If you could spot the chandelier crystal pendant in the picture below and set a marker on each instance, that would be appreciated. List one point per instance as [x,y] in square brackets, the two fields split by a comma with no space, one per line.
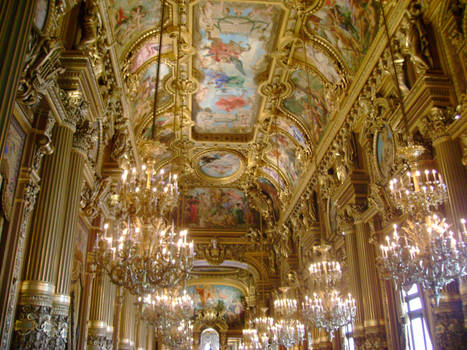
[427,253]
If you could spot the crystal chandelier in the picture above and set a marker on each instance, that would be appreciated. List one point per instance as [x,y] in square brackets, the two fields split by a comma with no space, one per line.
[285,307]
[417,192]
[145,258]
[287,330]
[166,309]
[325,273]
[427,253]
[330,311]
[179,336]
[147,194]
[326,308]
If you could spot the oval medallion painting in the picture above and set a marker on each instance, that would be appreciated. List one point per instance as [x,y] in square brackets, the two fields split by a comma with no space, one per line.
[385,150]
[219,164]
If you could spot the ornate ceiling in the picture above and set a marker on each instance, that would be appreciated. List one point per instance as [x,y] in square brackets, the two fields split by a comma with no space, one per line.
[256,104]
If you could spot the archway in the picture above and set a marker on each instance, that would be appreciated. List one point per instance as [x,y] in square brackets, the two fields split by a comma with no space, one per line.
[209,339]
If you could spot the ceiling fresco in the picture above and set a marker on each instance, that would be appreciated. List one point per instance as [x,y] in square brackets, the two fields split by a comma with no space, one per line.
[234,53]
[348,25]
[132,18]
[219,208]
[284,152]
[233,41]
[308,102]
[219,164]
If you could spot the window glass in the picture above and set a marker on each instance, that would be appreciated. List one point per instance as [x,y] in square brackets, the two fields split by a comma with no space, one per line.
[416,327]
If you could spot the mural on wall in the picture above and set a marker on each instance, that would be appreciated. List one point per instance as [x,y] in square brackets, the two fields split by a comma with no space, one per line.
[149,50]
[143,93]
[219,164]
[385,150]
[268,188]
[11,164]
[293,130]
[40,13]
[348,25]
[233,41]
[229,301]
[284,151]
[132,17]
[309,103]
[217,208]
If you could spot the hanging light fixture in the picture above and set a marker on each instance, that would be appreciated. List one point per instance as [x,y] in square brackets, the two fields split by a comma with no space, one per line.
[166,309]
[427,253]
[287,329]
[145,258]
[326,308]
[423,250]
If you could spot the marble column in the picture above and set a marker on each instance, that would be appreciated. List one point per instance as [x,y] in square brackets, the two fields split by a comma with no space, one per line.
[355,286]
[97,327]
[61,303]
[38,287]
[373,321]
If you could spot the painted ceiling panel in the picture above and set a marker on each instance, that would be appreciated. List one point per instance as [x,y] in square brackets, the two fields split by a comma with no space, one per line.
[350,26]
[308,103]
[284,151]
[217,208]
[142,93]
[219,164]
[233,40]
[131,18]
[149,49]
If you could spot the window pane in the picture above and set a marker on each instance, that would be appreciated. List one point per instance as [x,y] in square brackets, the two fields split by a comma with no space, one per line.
[412,290]
[415,304]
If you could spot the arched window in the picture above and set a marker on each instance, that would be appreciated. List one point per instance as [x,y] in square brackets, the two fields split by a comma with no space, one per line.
[209,339]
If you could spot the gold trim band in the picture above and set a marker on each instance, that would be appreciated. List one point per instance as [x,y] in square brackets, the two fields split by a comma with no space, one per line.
[37,287]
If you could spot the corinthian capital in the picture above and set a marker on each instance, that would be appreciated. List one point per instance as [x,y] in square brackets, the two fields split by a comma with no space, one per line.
[76,108]
[84,136]
[436,123]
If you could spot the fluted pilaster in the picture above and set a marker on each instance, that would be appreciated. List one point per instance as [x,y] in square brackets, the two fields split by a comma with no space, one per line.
[375,333]
[355,286]
[97,327]
[126,323]
[37,290]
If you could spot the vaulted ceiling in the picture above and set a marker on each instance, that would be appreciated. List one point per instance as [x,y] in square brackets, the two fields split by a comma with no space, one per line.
[262,79]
